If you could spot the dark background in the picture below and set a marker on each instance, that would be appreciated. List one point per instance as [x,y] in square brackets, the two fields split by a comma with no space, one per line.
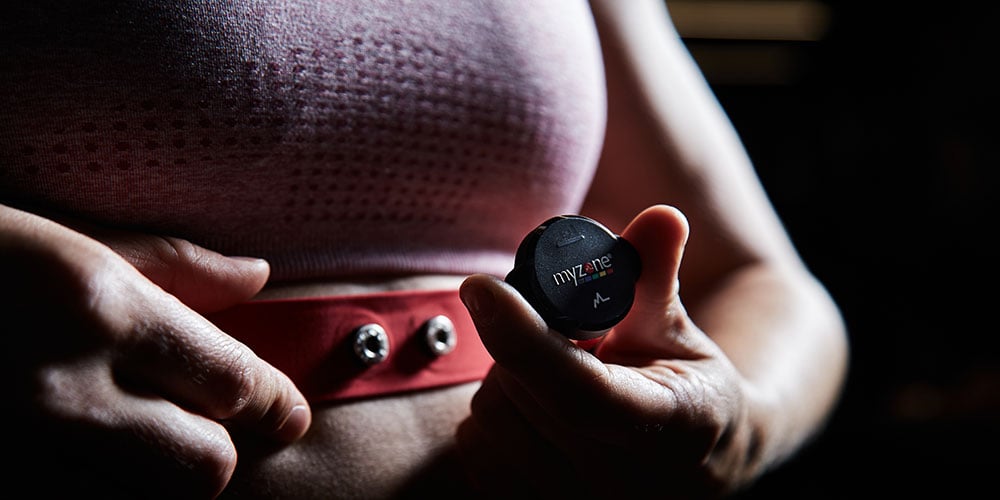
[876,144]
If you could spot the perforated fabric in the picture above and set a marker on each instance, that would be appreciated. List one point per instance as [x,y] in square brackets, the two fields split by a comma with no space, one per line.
[333,138]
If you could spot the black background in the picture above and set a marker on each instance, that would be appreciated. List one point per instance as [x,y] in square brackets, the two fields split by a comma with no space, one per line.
[879,155]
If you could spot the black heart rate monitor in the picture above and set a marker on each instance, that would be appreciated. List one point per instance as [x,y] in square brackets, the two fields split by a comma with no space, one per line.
[577,274]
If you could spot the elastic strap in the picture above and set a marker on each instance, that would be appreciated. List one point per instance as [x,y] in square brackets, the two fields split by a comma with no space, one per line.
[312,341]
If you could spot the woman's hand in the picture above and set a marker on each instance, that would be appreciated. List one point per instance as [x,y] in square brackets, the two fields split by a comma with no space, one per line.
[656,407]
[108,357]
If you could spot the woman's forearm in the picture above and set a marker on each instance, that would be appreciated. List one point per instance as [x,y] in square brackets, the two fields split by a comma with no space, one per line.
[786,337]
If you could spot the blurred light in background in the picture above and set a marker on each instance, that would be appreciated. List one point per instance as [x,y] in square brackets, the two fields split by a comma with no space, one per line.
[790,20]
[749,42]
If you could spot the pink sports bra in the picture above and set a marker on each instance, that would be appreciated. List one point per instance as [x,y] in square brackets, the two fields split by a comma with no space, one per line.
[333,138]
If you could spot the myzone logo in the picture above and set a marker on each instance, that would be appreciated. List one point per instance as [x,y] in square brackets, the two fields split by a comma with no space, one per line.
[585,272]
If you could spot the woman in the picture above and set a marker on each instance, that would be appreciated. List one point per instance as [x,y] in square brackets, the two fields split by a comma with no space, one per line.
[379,162]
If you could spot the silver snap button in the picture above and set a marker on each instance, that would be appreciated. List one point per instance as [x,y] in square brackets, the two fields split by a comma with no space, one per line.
[439,332]
[371,343]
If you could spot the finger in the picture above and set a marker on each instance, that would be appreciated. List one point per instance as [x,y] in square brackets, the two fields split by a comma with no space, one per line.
[502,451]
[658,326]
[193,457]
[187,359]
[154,448]
[518,338]
[545,455]
[512,424]
[572,386]
[658,234]
[204,280]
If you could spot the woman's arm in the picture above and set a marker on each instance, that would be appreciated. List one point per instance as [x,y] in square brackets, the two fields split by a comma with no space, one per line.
[741,280]
[732,355]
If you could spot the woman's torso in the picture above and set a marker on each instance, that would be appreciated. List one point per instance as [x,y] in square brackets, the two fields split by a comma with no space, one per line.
[358,146]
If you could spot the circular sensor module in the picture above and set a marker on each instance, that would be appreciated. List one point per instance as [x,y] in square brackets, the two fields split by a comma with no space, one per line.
[577,274]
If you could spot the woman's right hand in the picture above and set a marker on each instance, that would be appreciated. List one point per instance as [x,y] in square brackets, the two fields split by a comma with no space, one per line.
[116,383]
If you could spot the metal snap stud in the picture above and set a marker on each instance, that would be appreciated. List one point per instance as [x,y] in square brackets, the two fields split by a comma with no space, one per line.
[371,343]
[439,333]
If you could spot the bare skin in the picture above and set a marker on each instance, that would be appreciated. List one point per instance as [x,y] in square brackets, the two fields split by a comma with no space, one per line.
[730,361]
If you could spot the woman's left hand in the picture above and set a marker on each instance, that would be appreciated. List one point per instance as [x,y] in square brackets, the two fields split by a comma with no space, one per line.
[655,407]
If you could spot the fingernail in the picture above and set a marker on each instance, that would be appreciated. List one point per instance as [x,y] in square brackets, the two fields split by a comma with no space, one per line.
[480,301]
[250,260]
[295,425]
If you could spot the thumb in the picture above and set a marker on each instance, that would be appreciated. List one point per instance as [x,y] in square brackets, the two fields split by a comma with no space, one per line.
[658,234]
[202,279]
